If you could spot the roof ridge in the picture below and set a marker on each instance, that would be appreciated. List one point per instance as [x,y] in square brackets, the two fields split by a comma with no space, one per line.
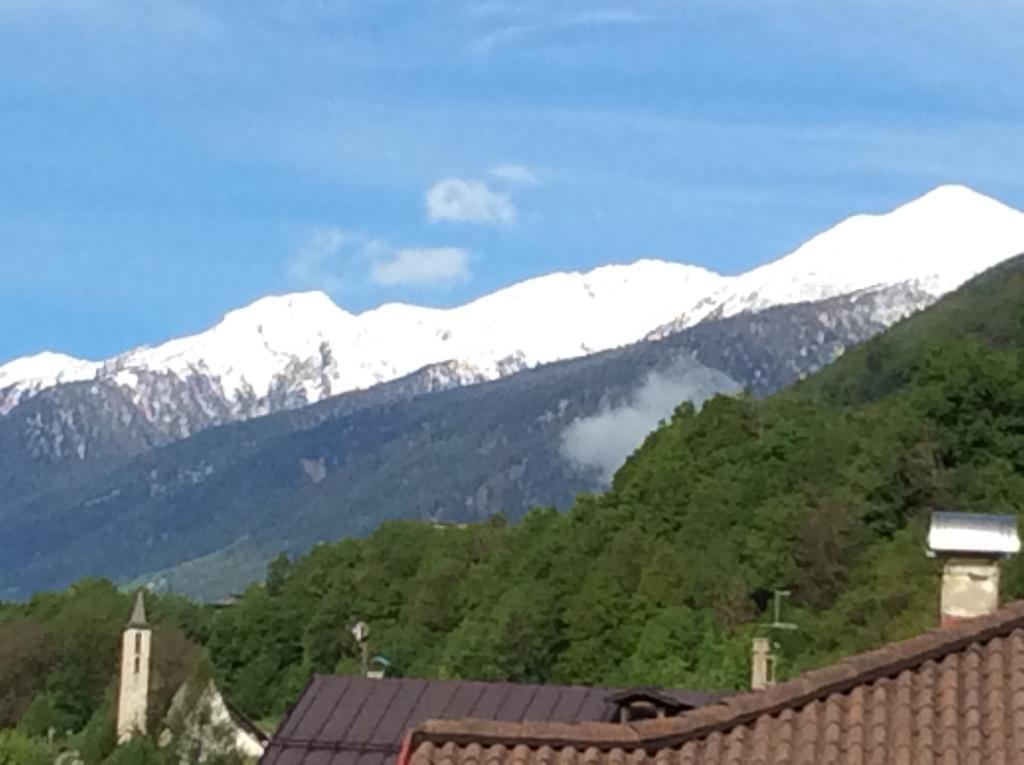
[846,674]
[244,721]
[329,677]
[317,744]
[737,710]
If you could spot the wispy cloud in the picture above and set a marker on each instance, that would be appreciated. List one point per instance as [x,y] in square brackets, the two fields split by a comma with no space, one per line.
[491,8]
[433,266]
[609,17]
[518,175]
[500,37]
[521,23]
[334,260]
[317,261]
[465,200]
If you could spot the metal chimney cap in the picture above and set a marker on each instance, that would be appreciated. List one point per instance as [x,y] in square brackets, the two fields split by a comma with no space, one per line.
[974,534]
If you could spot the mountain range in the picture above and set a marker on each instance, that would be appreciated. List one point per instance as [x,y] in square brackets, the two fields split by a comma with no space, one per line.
[115,467]
[287,351]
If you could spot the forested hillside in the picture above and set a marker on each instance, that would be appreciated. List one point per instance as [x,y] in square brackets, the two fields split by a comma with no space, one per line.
[823,490]
[205,514]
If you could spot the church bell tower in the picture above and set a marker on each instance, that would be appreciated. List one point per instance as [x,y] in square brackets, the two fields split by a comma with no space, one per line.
[134,691]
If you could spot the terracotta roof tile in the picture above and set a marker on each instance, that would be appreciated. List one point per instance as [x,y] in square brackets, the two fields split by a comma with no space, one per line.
[953,695]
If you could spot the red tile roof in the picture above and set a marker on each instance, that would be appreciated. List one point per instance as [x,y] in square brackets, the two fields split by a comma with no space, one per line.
[952,696]
[360,721]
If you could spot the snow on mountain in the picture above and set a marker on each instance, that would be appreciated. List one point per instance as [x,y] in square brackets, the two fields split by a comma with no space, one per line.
[311,348]
[939,241]
[31,374]
[285,351]
[248,350]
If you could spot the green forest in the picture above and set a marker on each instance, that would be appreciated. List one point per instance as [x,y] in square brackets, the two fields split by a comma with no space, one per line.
[823,490]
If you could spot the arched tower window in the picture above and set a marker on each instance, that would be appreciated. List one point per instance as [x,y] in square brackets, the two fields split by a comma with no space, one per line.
[138,643]
[137,665]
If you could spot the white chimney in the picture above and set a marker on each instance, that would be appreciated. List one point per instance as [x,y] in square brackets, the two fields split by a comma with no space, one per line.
[971,547]
[761,658]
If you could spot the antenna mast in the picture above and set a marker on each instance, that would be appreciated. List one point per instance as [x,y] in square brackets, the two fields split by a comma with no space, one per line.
[765,653]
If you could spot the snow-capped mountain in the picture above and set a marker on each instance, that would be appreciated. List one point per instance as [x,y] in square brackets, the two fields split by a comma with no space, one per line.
[286,351]
[300,348]
[928,247]
[26,376]
[82,489]
[937,241]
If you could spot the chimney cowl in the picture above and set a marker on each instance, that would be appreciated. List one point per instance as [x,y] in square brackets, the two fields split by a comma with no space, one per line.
[973,535]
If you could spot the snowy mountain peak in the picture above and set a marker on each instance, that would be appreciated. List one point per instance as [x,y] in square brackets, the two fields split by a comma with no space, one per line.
[617,277]
[952,197]
[945,207]
[47,367]
[297,308]
[30,374]
[287,350]
[939,241]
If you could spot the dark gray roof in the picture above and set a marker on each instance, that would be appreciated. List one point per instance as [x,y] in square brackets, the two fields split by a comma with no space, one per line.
[138,618]
[359,721]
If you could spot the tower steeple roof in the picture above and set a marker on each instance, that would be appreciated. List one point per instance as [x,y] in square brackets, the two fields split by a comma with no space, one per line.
[138,612]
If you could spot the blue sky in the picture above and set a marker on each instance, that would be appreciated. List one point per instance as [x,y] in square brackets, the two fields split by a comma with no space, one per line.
[163,161]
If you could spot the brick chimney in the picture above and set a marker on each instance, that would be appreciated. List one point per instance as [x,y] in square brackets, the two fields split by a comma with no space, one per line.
[971,547]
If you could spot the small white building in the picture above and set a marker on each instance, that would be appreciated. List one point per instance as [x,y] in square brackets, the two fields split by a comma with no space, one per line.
[200,722]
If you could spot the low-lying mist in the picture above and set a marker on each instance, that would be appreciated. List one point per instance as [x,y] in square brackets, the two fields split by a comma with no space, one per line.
[604,440]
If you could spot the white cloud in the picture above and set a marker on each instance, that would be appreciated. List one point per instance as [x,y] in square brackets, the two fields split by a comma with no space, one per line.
[468,201]
[421,266]
[604,440]
[515,174]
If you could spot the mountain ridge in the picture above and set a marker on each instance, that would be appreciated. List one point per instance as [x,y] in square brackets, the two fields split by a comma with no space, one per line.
[239,492]
[291,350]
[156,443]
